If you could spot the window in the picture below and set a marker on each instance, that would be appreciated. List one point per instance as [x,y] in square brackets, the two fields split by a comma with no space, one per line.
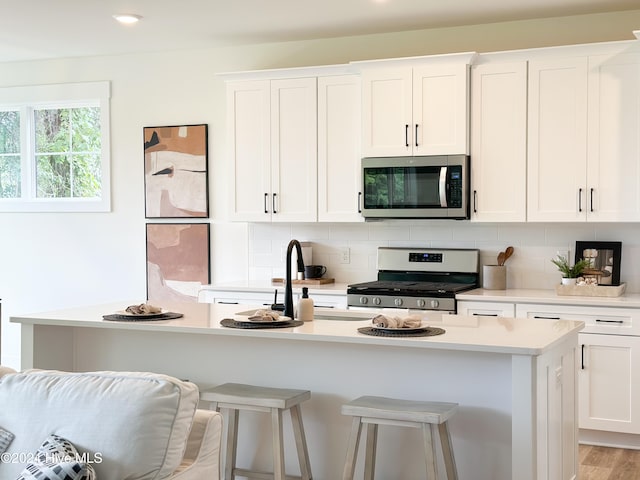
[54,148]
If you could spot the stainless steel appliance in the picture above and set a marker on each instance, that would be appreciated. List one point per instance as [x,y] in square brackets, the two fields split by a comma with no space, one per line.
[416,187]
[418,278]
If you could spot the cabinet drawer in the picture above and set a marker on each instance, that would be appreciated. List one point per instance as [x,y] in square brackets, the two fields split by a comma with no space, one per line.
[613,321]
[491,309]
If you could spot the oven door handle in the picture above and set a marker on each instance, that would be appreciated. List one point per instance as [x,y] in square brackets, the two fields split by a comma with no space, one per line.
[443,187]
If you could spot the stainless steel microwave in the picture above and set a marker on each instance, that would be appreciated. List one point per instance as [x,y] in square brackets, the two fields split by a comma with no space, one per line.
[416,187]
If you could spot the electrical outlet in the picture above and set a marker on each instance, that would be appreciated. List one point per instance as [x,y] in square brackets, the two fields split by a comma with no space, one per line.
[345,255]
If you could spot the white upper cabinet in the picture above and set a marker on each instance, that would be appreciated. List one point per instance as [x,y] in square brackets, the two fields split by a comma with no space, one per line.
[339,149]
[294,161]
[557,160]
[584,125]
[499,142]
[248,129]
[613,146]
[273,135]
[419,109]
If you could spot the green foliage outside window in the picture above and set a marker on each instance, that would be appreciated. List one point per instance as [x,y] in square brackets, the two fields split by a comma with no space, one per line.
[10,167]
[67,151]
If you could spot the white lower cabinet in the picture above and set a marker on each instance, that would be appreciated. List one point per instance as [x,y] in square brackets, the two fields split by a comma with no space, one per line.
[608,358]
[609,383]
[262,298]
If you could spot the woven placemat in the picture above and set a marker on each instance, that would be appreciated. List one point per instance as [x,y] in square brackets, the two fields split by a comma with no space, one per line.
[132,318]
[425,332]
[231,323]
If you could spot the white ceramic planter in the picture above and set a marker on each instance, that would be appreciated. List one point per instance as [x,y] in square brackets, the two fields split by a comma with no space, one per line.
[568,281]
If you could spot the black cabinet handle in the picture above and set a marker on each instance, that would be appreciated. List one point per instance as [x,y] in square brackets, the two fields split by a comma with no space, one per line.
[273,203]
[475,201]
[227,303]
[609,321]
[580,200]
[486,314]
[416,134]
[266,209]
[406,135]
[591,200]
[359,202]
[582,358]
[547,318]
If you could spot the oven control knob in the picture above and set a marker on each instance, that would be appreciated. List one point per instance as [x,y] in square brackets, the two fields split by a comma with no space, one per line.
[377,301]
[421,303]
[435,303]
[364,300]
[398,302]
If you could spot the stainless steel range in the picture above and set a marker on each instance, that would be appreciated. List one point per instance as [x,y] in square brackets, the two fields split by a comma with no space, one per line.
[418,278]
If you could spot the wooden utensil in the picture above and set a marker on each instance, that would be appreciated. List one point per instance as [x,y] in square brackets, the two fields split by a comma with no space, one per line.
[507,253]
[501,258]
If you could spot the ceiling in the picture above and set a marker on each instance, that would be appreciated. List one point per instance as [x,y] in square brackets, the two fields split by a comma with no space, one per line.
[37,29]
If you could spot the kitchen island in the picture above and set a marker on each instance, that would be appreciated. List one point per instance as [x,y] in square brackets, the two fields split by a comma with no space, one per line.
[515,379]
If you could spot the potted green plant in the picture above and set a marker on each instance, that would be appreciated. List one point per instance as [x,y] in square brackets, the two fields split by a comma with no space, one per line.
[569,272]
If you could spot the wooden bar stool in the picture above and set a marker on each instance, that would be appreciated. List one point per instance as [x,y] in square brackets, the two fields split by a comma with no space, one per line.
[233,397]
[430,417]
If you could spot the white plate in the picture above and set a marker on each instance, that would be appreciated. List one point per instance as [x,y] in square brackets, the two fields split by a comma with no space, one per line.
[281,319]
[400,329]
[141,315]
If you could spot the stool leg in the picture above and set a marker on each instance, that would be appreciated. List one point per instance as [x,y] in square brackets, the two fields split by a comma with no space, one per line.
[352,449]
[370,457]
[447,451]
[278,451]
[301,442]
[232,444]
[429,451]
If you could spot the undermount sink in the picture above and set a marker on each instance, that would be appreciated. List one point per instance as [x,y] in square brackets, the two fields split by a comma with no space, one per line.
[326,314]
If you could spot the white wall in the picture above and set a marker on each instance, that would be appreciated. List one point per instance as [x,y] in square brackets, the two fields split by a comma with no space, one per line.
[51,261]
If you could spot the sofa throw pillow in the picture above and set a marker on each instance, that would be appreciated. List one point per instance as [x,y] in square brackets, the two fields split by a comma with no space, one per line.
[6,438]
[57,459]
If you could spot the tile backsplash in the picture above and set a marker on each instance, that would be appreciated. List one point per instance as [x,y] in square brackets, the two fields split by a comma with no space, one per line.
[529,267]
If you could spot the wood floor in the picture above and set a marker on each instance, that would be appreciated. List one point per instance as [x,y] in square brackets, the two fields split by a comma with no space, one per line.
[605,463]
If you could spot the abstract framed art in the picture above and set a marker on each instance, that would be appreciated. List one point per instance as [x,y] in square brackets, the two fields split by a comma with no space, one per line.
[176,176]
[604,260]
[178,260]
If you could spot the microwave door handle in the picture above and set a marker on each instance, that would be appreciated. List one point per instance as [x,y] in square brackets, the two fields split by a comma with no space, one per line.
[443,187]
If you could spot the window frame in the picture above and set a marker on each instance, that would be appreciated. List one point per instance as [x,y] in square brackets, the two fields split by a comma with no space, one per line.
[69,95]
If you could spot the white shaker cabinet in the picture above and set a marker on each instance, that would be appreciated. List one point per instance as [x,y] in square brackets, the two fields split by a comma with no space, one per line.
[249,136]
[273,149]
[613,150]
[557,144]
[584,125]
[415,110]
[609,363]
[499,142]
[339,176]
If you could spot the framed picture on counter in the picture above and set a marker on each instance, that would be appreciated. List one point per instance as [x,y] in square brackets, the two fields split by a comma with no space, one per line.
[178,260]
[604,260]
[176,178]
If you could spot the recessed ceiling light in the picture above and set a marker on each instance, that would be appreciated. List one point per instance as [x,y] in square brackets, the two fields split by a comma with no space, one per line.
[127,18]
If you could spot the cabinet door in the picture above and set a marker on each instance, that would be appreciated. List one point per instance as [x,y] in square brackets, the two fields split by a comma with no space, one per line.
[499,142]
[339,149]
[294,160]
[440,110]
[609,381]
[386,112]
[557,113]
[613,172]
[248,120]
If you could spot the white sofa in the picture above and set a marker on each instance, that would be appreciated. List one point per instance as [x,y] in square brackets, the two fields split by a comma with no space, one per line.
[126,425]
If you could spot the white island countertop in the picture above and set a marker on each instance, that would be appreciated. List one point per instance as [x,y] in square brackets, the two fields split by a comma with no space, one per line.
[467,333]
[514,379]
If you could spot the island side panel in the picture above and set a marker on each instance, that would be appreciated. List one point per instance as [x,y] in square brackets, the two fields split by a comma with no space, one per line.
[48,347]
[335,373]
